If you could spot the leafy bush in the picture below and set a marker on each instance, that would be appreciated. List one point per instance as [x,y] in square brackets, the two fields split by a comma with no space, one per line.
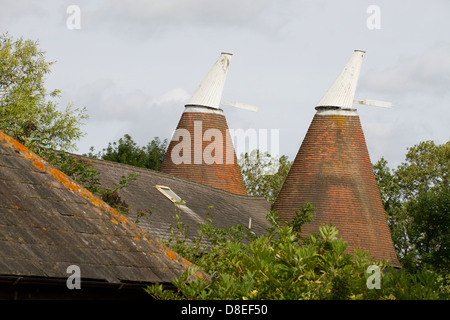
[281,265]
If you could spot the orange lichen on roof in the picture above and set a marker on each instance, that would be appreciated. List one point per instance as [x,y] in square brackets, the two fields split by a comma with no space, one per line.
[63,179]
[174,256]
[96,202]
[27,154]
[39,165]
[100,206]
[171,255]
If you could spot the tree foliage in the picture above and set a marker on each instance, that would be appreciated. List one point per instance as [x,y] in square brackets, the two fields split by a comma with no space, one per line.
[28,112]
[416,199]
[263,174]
[80,170]
[281,265]
[430,230]
[83,173]
[126,151]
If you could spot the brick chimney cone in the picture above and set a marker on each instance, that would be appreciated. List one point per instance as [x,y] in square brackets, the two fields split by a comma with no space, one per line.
[333,172]
[201,148]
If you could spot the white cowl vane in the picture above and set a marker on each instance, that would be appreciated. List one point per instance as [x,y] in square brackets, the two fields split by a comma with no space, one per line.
[342,92]
[209,92]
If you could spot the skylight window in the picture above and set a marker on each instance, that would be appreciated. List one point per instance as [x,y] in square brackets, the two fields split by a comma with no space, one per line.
[172,196]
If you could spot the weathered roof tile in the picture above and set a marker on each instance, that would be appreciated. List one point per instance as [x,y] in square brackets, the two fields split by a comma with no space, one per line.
[332,171]
[48,222]
[226,209]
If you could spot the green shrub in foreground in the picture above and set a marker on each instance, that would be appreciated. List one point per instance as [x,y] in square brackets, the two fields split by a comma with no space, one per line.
[281,265]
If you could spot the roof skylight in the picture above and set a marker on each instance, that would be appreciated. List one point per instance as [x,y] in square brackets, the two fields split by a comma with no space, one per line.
[170,194]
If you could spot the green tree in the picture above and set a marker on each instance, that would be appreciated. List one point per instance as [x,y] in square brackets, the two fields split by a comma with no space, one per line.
[397,217]
[426,167]
[263,174]
[430,213]
[28,112]
[126,151]
[415,197]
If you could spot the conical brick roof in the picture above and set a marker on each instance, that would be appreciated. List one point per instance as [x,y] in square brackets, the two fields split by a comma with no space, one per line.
[201,149]
[333,172]
[210,157]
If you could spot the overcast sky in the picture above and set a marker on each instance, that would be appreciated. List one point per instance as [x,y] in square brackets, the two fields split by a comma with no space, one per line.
[134,63]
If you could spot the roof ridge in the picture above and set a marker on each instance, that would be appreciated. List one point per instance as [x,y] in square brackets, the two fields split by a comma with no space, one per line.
[167,175]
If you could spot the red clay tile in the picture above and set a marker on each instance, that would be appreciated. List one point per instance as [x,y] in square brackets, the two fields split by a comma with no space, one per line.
[333,172]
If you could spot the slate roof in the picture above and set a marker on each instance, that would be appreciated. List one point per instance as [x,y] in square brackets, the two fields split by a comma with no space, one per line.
[228,209]
[47,223]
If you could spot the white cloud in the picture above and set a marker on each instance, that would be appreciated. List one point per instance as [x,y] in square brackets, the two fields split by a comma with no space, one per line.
[150,17]
[428,73]
[177,95]
[132,60]
[114,112]
[106,101]
[180,11]
[18,9]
